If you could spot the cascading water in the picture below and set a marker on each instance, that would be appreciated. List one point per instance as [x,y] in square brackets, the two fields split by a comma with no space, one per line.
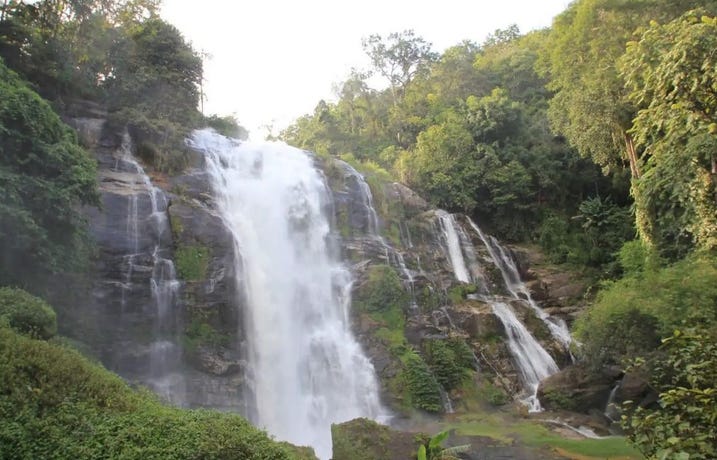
[308,370]
[392,255]
[165,354]
[533,362]
[448,226]
[509,271]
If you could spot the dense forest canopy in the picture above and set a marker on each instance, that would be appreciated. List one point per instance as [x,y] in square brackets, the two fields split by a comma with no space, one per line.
[595,139]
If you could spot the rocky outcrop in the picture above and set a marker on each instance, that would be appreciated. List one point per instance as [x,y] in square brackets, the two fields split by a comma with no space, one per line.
[577,389]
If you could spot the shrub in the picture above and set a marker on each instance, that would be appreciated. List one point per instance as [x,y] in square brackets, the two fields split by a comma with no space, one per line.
[684,424]
[55,404]
[192,262]
[27,314]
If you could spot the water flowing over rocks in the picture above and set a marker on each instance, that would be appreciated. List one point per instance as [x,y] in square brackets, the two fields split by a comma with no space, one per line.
[168,304]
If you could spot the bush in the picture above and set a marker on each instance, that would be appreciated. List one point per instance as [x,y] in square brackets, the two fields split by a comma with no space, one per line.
[27,314]
[55,404]
[684,425]
[449,360]
[632,314]
[382,291]
[422,385]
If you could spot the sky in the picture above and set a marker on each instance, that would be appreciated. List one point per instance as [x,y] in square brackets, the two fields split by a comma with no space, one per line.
[271,61]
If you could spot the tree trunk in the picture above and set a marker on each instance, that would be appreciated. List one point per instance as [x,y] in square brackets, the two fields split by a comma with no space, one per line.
[632,156]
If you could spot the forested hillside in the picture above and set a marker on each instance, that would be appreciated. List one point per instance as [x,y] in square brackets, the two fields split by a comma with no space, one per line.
[595,139]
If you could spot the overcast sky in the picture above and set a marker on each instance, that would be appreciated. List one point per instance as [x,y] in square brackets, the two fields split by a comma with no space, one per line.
[273,60]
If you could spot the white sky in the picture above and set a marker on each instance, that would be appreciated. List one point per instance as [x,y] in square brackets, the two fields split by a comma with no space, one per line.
[273,60]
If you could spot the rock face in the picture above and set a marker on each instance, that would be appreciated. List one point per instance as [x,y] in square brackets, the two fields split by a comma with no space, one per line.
[392,226]
[138,314]
[162,307]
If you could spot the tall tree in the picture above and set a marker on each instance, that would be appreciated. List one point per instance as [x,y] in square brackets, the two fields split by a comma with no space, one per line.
[591,108]
[672,74]
[399,57]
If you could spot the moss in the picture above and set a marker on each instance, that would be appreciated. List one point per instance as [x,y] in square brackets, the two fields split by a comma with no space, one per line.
[559,400]
[362,439]
[382,291]
[192,262]
[459,293]
[177,228]
[493,394]
[199,333]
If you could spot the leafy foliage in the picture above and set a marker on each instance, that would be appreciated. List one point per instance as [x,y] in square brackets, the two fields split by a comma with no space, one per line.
[684,425]
[625,322]
[27,314]
[55,404]
[46,175]
[671,73]
[192,262]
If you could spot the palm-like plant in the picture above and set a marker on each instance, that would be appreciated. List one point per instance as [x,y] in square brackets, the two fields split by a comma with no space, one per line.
[435,451]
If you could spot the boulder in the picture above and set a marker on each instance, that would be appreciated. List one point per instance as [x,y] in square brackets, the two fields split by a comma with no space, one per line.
[575,389]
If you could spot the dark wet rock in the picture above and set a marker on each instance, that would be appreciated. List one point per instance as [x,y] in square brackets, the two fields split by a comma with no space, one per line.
[575,388]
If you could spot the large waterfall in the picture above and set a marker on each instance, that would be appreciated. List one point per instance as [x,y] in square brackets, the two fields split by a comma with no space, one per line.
[306,370]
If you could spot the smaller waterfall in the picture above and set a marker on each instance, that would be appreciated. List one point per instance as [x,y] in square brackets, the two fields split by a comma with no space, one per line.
[517,289]
[165,354]
[448,226]
[612,410]
[534,363]
[393,256]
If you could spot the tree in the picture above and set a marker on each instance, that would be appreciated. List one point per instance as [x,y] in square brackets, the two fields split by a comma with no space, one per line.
[399,57]
[591,108]
[684,423]
[672,75]
[46,176]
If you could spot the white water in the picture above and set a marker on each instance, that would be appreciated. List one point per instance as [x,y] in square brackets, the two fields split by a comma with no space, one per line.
[392,255]
[509,271]
[453,243]
[165,355]
[308,370]
[531,359]
[534,363]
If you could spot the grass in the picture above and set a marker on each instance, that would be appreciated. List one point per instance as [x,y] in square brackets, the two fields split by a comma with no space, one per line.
[505,429]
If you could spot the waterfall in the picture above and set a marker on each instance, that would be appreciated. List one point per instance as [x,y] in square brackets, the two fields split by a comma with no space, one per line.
[392,255]
[448,227]
[517,289]
[165,353]
[533,362]
[308,370]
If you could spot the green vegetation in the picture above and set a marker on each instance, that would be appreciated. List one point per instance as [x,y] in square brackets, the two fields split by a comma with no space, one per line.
[508,430]
[192,262]
[684,425]
[27,314]
[119,54]
[433,449]
[56,404]
[45,177]
[450,361]
[626,322]
[199,333]
[361,439]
